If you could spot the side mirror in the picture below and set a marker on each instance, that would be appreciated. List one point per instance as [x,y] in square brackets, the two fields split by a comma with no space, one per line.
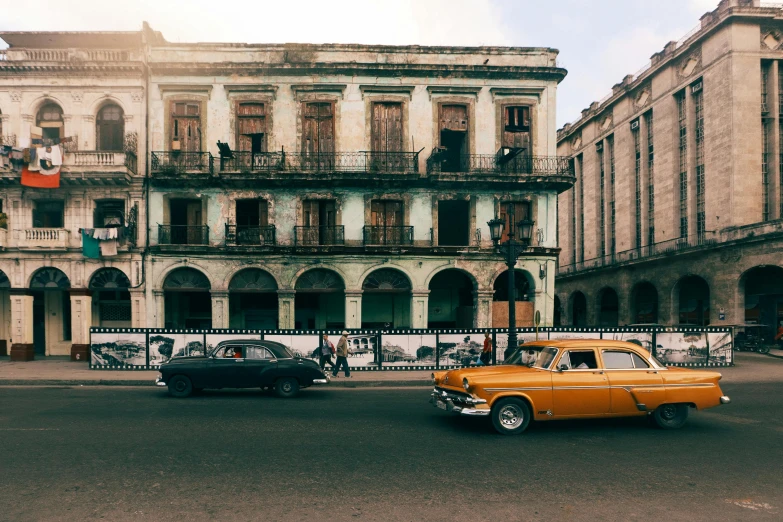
[563,367]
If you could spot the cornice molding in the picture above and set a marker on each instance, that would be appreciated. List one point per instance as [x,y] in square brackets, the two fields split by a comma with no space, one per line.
[255,88]
[453,90]
[498,92]
[180,88]
[371,89]
[301,89]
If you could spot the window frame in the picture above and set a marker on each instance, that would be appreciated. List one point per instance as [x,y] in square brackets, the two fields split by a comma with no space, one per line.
[567,353]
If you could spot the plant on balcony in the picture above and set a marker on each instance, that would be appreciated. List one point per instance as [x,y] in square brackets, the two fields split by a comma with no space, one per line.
[131,142]
[3,220]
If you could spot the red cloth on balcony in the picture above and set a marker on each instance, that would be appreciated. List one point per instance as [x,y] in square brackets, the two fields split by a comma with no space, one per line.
[38,180]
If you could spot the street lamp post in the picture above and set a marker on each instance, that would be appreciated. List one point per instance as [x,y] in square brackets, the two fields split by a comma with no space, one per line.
[512,249]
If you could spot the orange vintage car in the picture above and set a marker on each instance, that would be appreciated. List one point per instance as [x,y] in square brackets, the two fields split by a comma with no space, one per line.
[576,379]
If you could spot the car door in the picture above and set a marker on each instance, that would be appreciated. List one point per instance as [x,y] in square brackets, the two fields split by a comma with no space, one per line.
[260,368]
[635,385]
[579,386]
[223,369]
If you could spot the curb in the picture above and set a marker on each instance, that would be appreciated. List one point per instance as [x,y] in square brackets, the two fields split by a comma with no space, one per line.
[149,383]
[773,355]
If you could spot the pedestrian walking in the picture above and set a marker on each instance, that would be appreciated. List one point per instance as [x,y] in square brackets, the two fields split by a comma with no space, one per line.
[327,349]
[486,353]
[342,356]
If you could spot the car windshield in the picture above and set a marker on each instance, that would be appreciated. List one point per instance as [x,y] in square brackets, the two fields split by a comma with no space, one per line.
[541,356]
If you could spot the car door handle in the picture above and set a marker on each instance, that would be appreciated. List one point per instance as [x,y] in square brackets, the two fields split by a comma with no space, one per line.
[652,371]
[239,360]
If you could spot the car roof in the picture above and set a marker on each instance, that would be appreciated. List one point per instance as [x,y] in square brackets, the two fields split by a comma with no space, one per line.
[584,343]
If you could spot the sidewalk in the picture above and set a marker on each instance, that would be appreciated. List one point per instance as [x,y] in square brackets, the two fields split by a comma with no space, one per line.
[59,371]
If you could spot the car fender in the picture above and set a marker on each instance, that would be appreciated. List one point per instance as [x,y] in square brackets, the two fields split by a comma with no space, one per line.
[516,395]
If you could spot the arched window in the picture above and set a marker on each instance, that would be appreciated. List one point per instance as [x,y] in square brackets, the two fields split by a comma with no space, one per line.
[50,120]
[110,128]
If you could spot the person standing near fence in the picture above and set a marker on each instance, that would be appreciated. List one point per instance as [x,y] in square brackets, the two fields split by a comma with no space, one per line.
[342,356]
[327,349]
[486,353]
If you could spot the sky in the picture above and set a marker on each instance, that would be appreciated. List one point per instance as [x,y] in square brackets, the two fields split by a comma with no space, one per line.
[600,41]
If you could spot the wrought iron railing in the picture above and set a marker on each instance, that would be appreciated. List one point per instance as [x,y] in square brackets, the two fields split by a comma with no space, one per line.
[183,235]
[359,162]
[174,162]
[440,161]
[391,236]
[8,139]
[251,161]
[319,236]
[250,235]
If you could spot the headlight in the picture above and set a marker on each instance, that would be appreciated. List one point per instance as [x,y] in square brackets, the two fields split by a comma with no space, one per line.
[465,384]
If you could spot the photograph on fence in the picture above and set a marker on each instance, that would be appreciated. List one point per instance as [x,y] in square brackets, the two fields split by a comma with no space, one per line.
[408,349]
[555,336]
[460,349]
[112,349]
[643,339]
[164,346]
[214,339]
[363,349]
[522,338]
[693,347]
[300,345]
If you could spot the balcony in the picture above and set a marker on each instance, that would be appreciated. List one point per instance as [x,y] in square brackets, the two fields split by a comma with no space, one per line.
[54,238]
[175,164]
[242,235]
[183,235]
[318,237]
[88,168]
[388,236]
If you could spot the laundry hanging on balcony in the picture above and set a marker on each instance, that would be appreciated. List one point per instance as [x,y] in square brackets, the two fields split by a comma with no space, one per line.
[101,242]
[90,245]
[43,167]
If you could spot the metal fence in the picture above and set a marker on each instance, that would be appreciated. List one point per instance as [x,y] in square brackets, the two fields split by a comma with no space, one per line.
[183,235]
[319,236]
[440,161]
[388,236]
[250,235]
[327,162]
[174,163]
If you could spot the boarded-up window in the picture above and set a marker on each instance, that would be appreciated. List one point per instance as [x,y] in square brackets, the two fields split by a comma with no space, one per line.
[386,213]
[186,126]
[521,211]
[318,128]
[110,128]
[386,127]
[251,127]
[516,127]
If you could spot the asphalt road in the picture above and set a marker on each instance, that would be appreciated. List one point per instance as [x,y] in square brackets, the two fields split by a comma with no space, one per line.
[382,454]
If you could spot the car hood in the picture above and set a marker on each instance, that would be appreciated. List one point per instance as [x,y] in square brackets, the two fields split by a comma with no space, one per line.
[455,376]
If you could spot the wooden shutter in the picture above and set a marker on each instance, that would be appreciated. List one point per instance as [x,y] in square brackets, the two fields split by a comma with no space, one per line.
[310,213]
[251,121]
[454,118]
[318,128]
[521,211]
[516,127]
[386,127]
[186,125]
[328,213]
[263,213]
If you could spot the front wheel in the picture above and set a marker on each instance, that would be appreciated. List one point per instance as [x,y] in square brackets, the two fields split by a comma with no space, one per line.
[180,387]
[763,348]
[510,416]
[670,416]
[287,387]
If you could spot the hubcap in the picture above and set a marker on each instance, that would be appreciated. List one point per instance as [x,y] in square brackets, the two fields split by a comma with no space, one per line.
[180,386]
[669,412]
[286,387]
[511,416]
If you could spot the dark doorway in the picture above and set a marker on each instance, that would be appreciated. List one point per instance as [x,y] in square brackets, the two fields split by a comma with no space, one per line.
[110,125]
[764,298]
[39,328]
[645,304]
[694,294]
[579,309]
[558,318]
[454,137]
[609,311]
[186,221]
[319,301]
[453,223]
[451,300]
[320,223]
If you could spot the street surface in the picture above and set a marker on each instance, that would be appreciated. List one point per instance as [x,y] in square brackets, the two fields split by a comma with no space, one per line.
[124,453]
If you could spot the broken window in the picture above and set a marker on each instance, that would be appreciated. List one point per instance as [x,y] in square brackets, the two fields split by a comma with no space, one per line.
[516,127]
[520,209]
[319,218]
[318,128]
[48,214]
[110,127]
[109,213]
[454,137]
[186,126]
[50,120]
[386,222]
[454,223]
[251,127]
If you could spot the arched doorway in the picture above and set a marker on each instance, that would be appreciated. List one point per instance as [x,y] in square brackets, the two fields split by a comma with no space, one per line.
[578,309]
[451,300]
[110,128]
[644,304]
[524,286]
[694,301]
[5,311]
[386,299]
[111,303]
[557,320]
[187,301]
[50,120]
[320,300]
[609,308]
[252,300]
[763,287]
[51,312]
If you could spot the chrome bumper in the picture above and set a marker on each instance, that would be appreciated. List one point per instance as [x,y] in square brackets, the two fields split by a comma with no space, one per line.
[325,380]
[725,399]
[159,381]
[444,401]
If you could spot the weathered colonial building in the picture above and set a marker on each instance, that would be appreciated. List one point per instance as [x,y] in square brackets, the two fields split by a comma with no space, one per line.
[293,186]
[677,214]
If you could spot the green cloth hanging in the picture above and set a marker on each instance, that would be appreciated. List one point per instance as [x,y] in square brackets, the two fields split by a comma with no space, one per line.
[90,246]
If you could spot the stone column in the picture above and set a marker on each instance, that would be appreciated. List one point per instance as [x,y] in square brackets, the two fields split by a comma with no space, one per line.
[483,316]
[420,309]
[138,309]
[81,320]
[21,325]
[160,308]
[353,308]
[285,305]
[219,308]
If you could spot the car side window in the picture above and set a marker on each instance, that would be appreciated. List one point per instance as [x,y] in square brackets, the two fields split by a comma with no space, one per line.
[258,352]
[617,360]
[564,360]
[227,352]
[638,362]
[583,359]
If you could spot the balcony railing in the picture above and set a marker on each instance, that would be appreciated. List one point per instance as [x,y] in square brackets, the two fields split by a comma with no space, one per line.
[183,235]
[440,161]
[46,237]
[250,235]
[67,55]
[131,162]
[174,163]
[319,236]
[358,162]
[94,158]
[388,236]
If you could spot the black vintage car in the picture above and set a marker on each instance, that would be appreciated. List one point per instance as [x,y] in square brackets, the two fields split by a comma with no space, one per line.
[241,364]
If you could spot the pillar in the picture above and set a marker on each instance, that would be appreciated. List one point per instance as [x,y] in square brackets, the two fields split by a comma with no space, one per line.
[285,305]
[483,315]
[419,307]
[353,309]
[160,308]
[219,309]
[21,325]
[81,320]
[138,314]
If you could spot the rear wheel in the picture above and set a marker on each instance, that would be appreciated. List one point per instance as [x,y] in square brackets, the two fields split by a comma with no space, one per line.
[510,416]
[180,387]
[763,348]
[287,387]
[670,416]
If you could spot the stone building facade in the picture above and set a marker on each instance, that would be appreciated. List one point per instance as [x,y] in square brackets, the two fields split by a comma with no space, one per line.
[677,214]
[289,186]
